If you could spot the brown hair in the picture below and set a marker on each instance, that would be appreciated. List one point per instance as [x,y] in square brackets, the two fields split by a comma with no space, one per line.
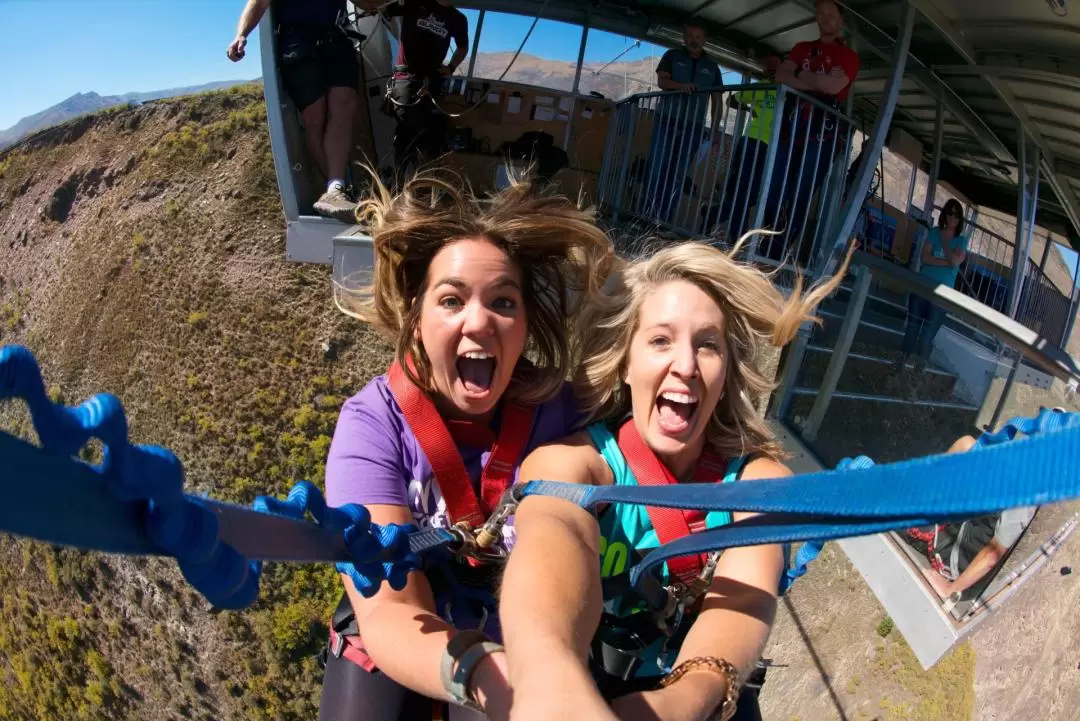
[755,312]
[562,254]
[952,205]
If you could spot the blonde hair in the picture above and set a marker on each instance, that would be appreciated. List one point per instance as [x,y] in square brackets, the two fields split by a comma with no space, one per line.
[755,312]
[562,255]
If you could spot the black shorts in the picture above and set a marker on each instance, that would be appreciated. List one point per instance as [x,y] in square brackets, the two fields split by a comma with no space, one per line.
[313,60]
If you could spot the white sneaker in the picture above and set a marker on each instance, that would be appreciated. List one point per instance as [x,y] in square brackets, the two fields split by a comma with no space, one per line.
[336,204]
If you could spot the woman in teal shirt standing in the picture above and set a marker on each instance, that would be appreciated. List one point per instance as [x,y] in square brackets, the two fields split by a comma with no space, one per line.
[943,252]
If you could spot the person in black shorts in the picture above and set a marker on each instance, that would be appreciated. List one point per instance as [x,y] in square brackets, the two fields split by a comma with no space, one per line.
[320,73]
[427,26]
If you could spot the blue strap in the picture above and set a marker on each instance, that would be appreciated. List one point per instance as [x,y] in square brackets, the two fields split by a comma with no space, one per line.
[810,550]
[1048,420]
[864,500]
[133,502]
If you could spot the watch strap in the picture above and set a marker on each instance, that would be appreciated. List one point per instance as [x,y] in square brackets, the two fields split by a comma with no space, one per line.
[455,650]
[467,666]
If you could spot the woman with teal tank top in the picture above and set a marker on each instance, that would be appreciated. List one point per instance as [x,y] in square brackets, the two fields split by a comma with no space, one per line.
[668,375]
[942,253]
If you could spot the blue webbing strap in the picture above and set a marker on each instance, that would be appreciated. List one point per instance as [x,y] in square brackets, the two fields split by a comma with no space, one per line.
[134,503]
[842,503]
[1047,420]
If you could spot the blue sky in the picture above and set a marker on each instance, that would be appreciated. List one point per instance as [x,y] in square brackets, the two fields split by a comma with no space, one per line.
[118,46]
[112,47]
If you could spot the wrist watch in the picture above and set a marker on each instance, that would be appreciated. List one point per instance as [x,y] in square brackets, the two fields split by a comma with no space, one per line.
[797,71]
[460,659]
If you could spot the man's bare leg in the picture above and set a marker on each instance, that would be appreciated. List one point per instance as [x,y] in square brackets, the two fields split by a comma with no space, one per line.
[342,104]
[314,117]
[335,203]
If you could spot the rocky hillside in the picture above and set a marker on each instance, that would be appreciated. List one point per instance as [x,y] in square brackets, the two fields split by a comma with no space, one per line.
[143,254]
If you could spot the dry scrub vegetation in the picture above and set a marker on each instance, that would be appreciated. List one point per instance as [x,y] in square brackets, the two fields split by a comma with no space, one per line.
[143,254]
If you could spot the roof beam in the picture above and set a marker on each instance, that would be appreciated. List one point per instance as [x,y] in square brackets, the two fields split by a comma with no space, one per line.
[1012,24]
[955,38]
[1049,78]
[754,12]
[1046,122]
[785,29]
[702,6]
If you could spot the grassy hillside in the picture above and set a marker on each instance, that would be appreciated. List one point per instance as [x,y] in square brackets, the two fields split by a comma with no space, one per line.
[143,255]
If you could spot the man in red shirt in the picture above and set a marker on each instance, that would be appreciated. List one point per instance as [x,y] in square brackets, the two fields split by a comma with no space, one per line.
[824,67]
[809,137]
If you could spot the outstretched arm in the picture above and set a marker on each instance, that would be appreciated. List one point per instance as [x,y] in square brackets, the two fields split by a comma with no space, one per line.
[249,18]
[406,638]
[733,624]
[551,601]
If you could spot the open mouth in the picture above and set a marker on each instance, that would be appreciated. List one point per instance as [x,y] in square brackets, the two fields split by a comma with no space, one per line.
[476,370]
[676,411]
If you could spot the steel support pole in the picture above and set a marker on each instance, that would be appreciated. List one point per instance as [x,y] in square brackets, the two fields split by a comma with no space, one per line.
[1005,391]
[1018,260]
[475,43]
[580,58]
[276,106]
[915,262]
[1033,206]
[853,202]
[1071,318]
[848,329]
[577,83]
[796,353]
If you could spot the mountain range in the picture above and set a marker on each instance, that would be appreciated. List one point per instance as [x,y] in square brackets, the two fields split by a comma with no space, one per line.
[615,80]
[82,103]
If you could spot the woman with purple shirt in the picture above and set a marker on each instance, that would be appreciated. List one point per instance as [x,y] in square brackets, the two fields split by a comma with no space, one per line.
[465,287]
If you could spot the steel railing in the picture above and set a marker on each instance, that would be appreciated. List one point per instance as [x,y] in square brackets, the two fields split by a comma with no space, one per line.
[709,164]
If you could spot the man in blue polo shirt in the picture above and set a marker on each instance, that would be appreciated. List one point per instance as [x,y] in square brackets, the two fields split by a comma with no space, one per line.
[679,124]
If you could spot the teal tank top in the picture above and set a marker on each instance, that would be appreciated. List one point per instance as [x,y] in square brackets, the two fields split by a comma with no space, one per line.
[626,533]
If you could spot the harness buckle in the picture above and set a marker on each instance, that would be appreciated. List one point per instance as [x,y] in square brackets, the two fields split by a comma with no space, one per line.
[337,643]
[468,545]
[491,531]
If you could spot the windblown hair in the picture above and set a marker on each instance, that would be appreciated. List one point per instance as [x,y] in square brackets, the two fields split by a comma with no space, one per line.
[562,254]
[755,313]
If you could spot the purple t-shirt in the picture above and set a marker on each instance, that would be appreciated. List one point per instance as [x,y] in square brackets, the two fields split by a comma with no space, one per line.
[376,459]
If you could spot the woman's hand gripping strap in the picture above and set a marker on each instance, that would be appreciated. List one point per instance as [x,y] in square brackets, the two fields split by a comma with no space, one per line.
[380,553]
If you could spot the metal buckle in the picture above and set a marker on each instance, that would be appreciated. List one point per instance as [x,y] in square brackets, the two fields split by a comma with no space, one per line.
[337,643]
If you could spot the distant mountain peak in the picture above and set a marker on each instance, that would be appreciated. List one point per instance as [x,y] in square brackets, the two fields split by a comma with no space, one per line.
[90,101]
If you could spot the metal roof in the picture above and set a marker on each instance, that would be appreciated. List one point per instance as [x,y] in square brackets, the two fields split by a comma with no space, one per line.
[994,65]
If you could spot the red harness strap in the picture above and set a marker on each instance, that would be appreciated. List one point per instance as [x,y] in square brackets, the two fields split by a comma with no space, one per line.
[445,459]
[670,523]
